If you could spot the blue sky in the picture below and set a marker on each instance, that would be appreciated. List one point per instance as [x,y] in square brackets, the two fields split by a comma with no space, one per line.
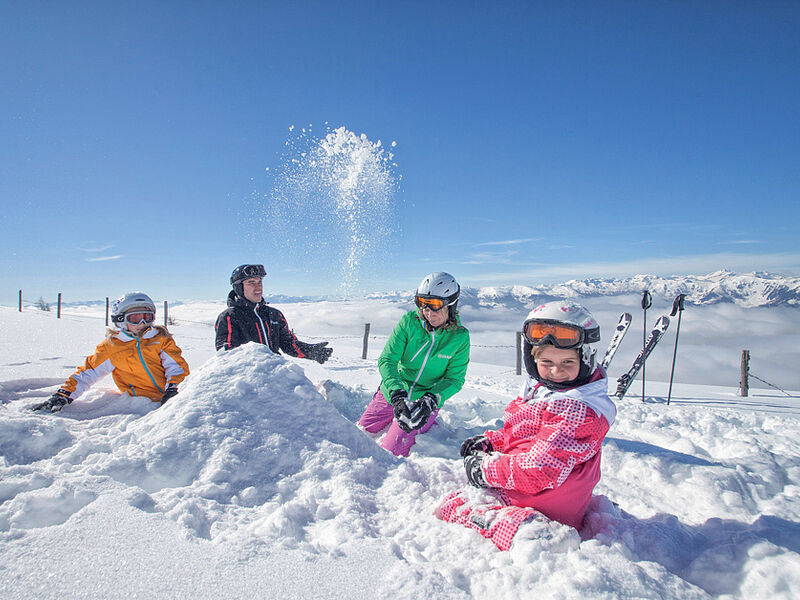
[535,141]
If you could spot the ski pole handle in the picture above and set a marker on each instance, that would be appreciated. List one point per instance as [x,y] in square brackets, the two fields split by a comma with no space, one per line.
[677,304]
[647,300]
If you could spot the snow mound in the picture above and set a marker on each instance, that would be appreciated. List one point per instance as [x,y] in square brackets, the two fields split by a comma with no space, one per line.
[248,440]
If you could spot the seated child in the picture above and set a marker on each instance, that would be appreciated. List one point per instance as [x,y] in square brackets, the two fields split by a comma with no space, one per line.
[545,460]
[142,358]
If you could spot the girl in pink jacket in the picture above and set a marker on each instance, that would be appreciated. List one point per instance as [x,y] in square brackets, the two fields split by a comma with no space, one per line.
[545,460]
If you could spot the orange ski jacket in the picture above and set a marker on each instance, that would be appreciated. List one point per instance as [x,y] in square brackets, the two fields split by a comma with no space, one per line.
[140,366]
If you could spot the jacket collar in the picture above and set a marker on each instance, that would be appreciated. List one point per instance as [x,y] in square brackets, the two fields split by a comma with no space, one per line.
[234,300]
[124,336]
[594,394]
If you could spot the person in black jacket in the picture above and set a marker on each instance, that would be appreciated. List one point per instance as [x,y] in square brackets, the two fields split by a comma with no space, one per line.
[249,318]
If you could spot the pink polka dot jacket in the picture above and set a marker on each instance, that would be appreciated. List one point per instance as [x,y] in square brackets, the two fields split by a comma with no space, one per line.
[547,454]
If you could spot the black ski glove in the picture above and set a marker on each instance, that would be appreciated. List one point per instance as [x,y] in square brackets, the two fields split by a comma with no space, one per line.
[172,389]
[56,402]
[422,409]
[476,443]
[402,413]
[472,465]
[319,352]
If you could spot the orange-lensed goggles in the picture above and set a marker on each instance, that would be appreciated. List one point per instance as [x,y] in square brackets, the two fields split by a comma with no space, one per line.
[434,304]
[134,318]
[559,334]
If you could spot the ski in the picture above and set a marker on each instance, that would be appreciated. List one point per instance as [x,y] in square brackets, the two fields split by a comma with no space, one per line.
[622,328]
[624,381]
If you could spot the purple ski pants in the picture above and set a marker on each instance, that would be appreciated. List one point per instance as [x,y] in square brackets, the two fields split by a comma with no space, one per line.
[379,413]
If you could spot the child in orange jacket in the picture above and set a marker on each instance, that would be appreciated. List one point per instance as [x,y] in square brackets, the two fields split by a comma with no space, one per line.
[143,358]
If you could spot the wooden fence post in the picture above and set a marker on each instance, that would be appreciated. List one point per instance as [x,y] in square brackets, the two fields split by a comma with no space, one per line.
[20,301]
[366,341]
[744,382]
[519,353]
[166,313]
[58,314]
[106,311]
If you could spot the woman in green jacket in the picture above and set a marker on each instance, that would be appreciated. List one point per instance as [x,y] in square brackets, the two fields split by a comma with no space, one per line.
[423,363]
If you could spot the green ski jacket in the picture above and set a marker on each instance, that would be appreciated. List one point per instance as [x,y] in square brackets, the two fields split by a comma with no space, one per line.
[418,361]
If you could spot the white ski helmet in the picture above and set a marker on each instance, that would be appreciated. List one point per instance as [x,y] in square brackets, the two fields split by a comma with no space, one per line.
[574,318]
[440,285]
[131,302]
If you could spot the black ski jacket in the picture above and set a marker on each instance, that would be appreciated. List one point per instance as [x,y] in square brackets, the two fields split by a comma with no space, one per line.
[244,321]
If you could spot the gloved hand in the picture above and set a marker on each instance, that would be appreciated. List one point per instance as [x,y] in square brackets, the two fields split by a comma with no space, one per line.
[402,412]
[476,443]
[172,389]
[422,409]
[56,402]
[319,352]
[472,465]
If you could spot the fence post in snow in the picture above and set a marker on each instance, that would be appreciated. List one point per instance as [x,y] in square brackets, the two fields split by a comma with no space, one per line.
[366,341]
[744,383]
[106,311]
[519,353]
[166,312]
[58,314]
[20,301]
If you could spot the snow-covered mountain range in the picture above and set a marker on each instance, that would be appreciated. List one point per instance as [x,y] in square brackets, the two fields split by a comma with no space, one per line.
[746,290]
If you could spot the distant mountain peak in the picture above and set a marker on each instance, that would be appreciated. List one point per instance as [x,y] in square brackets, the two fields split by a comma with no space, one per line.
[748,290]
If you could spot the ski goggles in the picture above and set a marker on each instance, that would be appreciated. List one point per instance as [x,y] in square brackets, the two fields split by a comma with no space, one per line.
[134,318]
[561,335]
[434,304]
[249,271]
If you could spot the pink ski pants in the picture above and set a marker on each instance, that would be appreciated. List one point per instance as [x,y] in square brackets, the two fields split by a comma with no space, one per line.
[379,413]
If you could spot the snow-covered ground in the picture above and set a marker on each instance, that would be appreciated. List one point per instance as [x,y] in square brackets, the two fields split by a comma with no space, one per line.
[253,483]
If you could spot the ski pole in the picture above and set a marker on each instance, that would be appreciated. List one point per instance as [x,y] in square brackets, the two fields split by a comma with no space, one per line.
[677,307]
[647,302]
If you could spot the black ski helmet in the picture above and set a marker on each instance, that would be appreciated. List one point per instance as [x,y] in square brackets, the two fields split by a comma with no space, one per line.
[243,272]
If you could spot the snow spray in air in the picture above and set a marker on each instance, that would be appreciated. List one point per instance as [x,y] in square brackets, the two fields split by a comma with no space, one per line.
[331,204]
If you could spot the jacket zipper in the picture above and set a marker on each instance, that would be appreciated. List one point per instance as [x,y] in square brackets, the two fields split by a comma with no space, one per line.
[424,362]
[263,328]
[141,359]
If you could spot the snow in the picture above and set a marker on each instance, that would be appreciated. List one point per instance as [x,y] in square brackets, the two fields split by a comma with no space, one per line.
[255,481]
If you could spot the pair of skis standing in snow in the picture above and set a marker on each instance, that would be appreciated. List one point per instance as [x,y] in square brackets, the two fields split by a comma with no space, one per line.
[625,380]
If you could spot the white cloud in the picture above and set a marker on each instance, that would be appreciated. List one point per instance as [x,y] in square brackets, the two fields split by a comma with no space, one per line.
[103,258]
[509,242]
[100,249]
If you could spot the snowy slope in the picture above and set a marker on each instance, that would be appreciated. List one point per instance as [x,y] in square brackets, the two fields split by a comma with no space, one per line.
[254,481]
